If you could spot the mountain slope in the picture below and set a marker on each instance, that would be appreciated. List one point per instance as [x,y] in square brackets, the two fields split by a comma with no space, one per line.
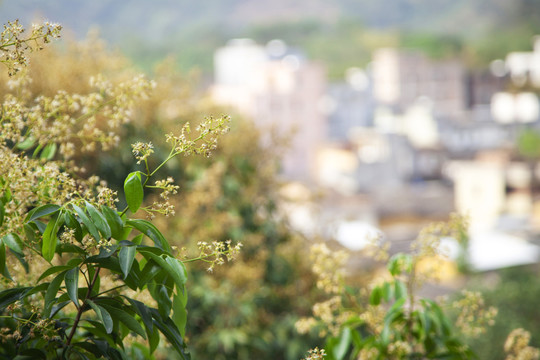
[147,30]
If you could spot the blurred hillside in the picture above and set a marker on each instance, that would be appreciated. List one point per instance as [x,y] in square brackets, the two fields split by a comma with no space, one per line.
[477,30]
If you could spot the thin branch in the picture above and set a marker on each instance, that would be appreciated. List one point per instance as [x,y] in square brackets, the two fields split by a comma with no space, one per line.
[80,310]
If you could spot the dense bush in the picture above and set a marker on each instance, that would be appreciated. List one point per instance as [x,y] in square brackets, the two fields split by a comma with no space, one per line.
[389,320]
[81,277]
[240,311]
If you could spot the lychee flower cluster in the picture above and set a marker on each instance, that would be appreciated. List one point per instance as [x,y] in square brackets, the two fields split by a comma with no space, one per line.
[15,42]
[216,252]
[517,346]
[473,315]
[206,141]
[316,354]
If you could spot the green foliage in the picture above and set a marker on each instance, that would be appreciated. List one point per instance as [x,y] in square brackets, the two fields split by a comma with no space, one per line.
[434,45]
[419,331]
[95,259]
[516,291]
[528,144]
[133,189]
[113,310]
[243,311]
[247,309]
[389,320]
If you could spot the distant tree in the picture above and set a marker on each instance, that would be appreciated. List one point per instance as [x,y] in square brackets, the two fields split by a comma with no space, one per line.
[529,144]
[528,147]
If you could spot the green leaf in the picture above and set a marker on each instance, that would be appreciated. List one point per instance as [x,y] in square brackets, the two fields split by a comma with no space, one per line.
[99,221]
[398,263]
[52,290]
[115,222]
[143,312]
[26,143]
[169,329]
[153,339]
[432,318]
[2,213]
[183,296]
[3,268]
[376,295]
[126,255]
[123,330]
[70,248]
[14,242]
[37,150]
[174,267]
[41,211]
[396,307]
[7,196]
[54,269]
[49,151]
[62,303]
[127,319]
[72,223]
[107,251]
[30,232]
[424,324]
[49,237]
[179,316]
[133,280]
[22,260]
[152,232]
[179,272]
[9,296]
[387,291]
[110,263]
[133,190]
[114,354]
[357,339]
[100,336]
[137,240]
[91,348]
[125,231]
[37,289]
[87,222]
[400,289]
[162,297]
[385,336]
[150,270]
[103,315]
[39,225]
[344,342]
[72,285]
[143,350]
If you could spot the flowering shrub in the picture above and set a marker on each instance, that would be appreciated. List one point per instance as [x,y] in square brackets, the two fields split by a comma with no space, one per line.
[14,43]
[389,320]
[82,278]
[242,311]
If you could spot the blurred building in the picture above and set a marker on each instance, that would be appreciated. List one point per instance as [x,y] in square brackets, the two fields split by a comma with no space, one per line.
[480,86]
[492,189]
[524,67]
[479,189]
[508,108]
[349,104]
[279,89]
[400,78]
